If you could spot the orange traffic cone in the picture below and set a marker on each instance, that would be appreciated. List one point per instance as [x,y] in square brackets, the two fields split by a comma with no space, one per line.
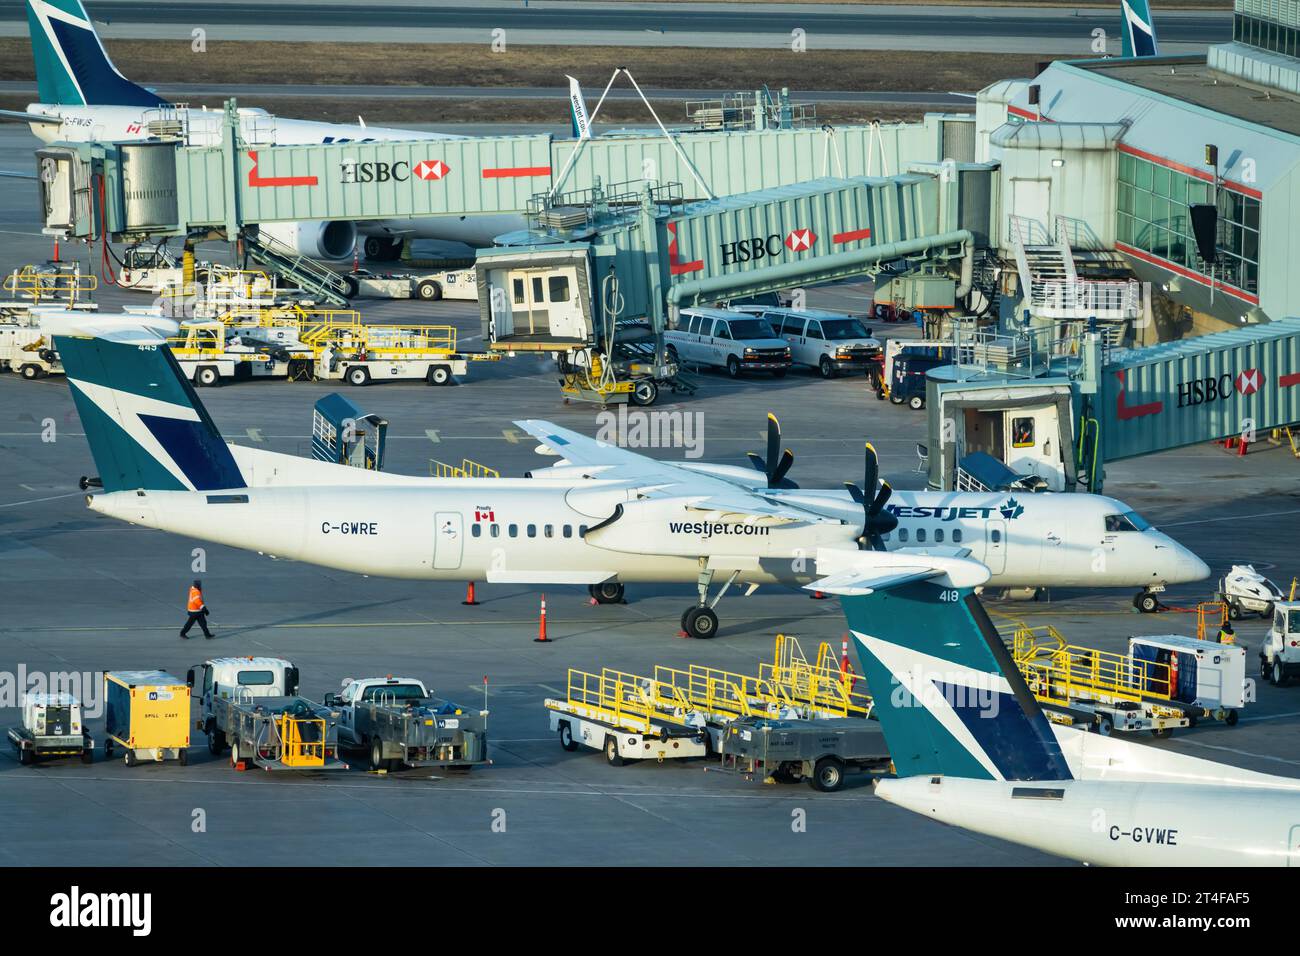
[541,637]
[469,595]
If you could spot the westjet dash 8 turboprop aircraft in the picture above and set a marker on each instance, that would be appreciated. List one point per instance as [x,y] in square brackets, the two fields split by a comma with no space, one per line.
[601,516]
[85,98]
[972,748]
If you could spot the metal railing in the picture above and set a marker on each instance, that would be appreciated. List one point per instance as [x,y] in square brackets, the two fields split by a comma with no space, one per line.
[1088,298]
[466,469]
[1059,673]
[30,283]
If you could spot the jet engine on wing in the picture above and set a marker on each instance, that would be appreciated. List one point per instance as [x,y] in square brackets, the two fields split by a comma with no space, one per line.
[330,240]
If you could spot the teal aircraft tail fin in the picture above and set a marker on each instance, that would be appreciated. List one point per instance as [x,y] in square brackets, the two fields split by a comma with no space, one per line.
[72,66]
[947,693]
[145,425]
[1138,30]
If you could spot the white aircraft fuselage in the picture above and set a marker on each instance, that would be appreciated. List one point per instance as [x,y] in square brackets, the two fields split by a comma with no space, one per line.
[548,530]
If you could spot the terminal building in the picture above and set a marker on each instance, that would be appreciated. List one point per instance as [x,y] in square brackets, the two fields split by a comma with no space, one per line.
[1123,159]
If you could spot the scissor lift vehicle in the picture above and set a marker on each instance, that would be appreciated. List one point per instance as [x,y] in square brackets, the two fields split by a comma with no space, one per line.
[1110,692]
[360,354]
[620,714]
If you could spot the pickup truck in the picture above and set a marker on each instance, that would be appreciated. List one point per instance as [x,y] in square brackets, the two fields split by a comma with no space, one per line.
[400,723]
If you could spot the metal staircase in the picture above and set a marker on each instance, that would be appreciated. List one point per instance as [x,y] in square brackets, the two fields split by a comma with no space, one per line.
[306,273]
[1051,283]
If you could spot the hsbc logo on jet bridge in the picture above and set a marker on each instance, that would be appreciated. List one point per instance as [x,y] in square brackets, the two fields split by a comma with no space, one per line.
[757,248]
[355,171]
[1217,388]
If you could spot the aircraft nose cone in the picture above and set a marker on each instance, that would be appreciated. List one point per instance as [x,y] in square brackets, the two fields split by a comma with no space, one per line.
[1191,568]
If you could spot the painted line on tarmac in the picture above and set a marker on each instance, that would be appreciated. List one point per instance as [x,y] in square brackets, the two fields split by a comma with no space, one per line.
[1292,713]
[32,501]
[1265,514]
[1243,753]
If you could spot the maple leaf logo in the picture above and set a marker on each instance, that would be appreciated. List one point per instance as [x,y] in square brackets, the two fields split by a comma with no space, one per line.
[1012,509]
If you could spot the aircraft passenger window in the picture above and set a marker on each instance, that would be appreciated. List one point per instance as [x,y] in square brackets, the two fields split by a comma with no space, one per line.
[1022,433]
[568,531]
[476,530]
[995,536]
[514,530]
[495,531]
[559,288]
[920,535]
[956,535]
[938,536]
[519,291]
[582,530]
[532,531]
[902,535]
[548,531]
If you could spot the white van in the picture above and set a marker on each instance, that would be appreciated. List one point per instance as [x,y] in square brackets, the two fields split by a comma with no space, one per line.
[736,341]
[830,342]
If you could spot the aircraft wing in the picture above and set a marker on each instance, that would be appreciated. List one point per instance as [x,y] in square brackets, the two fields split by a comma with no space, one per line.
[617,463]
[757,506]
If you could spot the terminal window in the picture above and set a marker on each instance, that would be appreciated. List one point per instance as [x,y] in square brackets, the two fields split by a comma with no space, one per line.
[1153,216]
[1266,34]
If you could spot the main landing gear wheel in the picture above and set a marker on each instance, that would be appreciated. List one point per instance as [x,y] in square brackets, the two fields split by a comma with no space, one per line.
[700,623]
[607,592]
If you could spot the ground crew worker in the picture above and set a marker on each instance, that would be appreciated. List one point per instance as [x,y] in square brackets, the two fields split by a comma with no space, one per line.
[1226,634]
[198,611]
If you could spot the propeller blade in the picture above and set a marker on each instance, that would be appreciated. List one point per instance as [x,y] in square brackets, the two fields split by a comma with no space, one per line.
[870,469]
[877,543]
[773,447]
[756,460]
[854,492]
[782,466]
[882,496]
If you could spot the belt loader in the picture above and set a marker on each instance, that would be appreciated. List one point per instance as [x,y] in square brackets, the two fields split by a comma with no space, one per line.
[251,705]
[401,724]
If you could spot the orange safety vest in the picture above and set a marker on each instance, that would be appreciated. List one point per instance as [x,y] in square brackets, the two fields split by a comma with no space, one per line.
[196,600]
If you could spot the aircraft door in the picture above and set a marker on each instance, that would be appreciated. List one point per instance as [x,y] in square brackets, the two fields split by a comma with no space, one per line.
[448,540]
[995,546]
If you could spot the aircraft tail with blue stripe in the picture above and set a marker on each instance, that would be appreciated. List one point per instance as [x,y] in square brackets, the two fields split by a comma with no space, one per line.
[948,696]
[146,427]
[72,66]
[1138,30]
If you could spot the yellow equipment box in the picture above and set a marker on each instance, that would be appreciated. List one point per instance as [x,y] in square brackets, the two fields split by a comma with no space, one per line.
[147,714]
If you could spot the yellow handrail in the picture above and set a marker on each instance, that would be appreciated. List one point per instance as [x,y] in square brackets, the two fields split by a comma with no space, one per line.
[1058,673]
[466,469]
[302,741]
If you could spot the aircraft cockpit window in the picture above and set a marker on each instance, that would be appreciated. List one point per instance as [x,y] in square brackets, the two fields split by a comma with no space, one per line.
[1128,521]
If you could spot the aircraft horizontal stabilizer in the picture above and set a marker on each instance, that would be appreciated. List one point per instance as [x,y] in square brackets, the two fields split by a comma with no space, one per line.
[857,583]
[130,329]
[25,117]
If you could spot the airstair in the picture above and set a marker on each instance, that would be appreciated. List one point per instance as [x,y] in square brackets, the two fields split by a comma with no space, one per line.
[308,274]
[1051,283]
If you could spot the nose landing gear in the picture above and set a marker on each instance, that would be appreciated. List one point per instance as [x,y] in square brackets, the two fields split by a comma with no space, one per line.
[700,621]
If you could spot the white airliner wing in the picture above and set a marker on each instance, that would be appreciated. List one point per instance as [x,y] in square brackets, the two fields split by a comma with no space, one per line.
[619,464]
[753,505]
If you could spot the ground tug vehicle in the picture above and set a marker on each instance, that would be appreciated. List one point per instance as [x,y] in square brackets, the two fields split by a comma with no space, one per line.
[251,705]
[1245,591]
[400,724]
[52,726]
